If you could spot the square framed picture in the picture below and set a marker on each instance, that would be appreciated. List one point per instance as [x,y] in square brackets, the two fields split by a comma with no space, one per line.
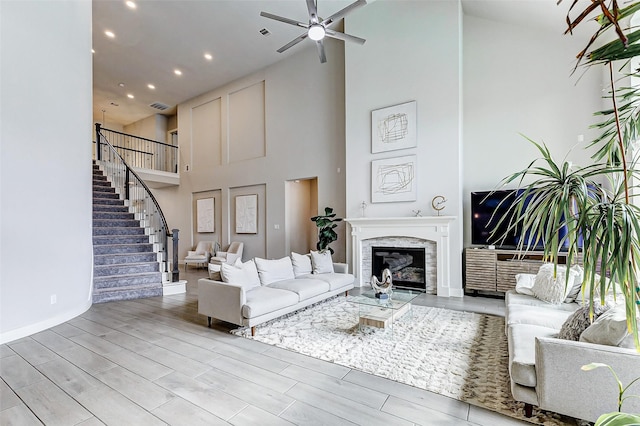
[394,179]
[394,127]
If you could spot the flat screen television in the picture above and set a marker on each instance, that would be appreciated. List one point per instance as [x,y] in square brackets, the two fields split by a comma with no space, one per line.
[484,206]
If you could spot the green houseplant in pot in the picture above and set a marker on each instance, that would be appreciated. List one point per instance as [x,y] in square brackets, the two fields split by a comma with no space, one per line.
[326,224]
[594,204]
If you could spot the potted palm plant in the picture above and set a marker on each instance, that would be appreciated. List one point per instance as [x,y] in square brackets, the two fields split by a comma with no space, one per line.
[594,204]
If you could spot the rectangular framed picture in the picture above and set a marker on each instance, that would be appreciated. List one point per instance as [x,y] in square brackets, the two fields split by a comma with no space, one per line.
[394,127]
[205,219]
[247,214]
[394,179]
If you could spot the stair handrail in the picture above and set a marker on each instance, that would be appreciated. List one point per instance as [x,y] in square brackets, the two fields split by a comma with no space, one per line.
[101,139]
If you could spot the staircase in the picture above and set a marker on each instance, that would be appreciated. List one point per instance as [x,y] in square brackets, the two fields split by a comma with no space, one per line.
[125,265]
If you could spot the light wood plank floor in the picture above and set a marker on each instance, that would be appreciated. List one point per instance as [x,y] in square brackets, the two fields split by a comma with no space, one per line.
[154,361]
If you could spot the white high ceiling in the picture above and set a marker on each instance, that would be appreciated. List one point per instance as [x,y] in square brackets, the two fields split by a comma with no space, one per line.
[161,35]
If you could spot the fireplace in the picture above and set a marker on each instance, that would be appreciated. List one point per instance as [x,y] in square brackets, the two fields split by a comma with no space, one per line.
[443,268]
[407,266]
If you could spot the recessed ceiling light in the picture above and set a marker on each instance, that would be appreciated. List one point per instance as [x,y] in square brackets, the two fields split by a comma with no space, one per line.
[93,51]
[109,34]
[151,86]
[177,72]
[208,56]
[121,84]
[130,96]
[132,5]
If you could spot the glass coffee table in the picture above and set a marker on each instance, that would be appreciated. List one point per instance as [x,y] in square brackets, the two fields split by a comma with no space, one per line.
[382,313]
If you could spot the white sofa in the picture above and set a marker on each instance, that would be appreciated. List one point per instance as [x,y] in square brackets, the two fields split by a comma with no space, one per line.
[260,290]
[545,370]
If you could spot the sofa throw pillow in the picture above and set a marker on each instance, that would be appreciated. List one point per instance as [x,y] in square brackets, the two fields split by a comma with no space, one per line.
[609,329]
[524,282]
[577,284]
[271,271]
[244,274]
[301,264]
[550,288]
[578,322]
[322,262]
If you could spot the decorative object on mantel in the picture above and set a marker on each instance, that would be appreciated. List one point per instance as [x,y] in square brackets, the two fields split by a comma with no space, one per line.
[326,224]
[417,213]
[363,208]
[438,203]
[394,179]
[394,128]
[382,288]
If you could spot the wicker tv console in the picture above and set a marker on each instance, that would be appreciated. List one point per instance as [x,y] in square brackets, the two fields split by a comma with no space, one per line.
[496,269]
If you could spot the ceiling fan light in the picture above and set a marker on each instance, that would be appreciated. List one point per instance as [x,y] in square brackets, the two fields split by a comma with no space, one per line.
[316,32]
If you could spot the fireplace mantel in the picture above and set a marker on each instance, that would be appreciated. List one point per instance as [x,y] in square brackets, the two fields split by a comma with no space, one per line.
[431,228]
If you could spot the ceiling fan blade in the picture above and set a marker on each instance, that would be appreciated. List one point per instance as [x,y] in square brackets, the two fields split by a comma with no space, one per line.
[313,11]
[293,42]
[323,57]
[285,20]
[340,14]
[343,36]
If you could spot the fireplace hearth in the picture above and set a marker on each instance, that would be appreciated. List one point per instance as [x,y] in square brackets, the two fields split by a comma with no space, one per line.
[407,266]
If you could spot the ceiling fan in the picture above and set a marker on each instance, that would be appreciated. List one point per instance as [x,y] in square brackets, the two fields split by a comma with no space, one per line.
[318,28]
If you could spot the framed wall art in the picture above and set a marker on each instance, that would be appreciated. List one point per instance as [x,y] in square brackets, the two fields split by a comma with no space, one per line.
[205,219]
[394,127]
[394,179]
[247,214]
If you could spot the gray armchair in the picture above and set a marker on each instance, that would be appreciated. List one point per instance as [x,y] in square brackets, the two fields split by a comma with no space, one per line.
[233,253]
[199,256]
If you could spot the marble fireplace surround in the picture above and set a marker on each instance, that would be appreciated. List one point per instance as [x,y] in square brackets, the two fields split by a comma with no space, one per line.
[433,229]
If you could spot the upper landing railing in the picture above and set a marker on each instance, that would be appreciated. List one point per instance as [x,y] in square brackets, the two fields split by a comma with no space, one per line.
[140,152]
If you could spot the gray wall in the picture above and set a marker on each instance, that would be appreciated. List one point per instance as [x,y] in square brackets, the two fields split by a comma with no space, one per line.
[404,60]
[522,84]
[45,165]
[253,135]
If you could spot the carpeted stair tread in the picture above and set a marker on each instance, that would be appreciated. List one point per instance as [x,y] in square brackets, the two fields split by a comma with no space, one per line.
[126,294]
[122,248]
[99,189]
[124,269]
[123,258]
[117,230]
[110,208]
[119,223]
[127,280]
[105,196]
[113,215]
[120,239]
[110,201]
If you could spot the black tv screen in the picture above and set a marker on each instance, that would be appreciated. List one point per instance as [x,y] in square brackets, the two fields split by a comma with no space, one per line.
[484,206]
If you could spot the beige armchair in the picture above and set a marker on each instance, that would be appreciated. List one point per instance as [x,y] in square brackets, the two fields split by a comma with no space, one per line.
[233,253]
[199,256]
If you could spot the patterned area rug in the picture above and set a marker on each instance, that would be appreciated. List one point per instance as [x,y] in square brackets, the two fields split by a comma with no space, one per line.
[461,355]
